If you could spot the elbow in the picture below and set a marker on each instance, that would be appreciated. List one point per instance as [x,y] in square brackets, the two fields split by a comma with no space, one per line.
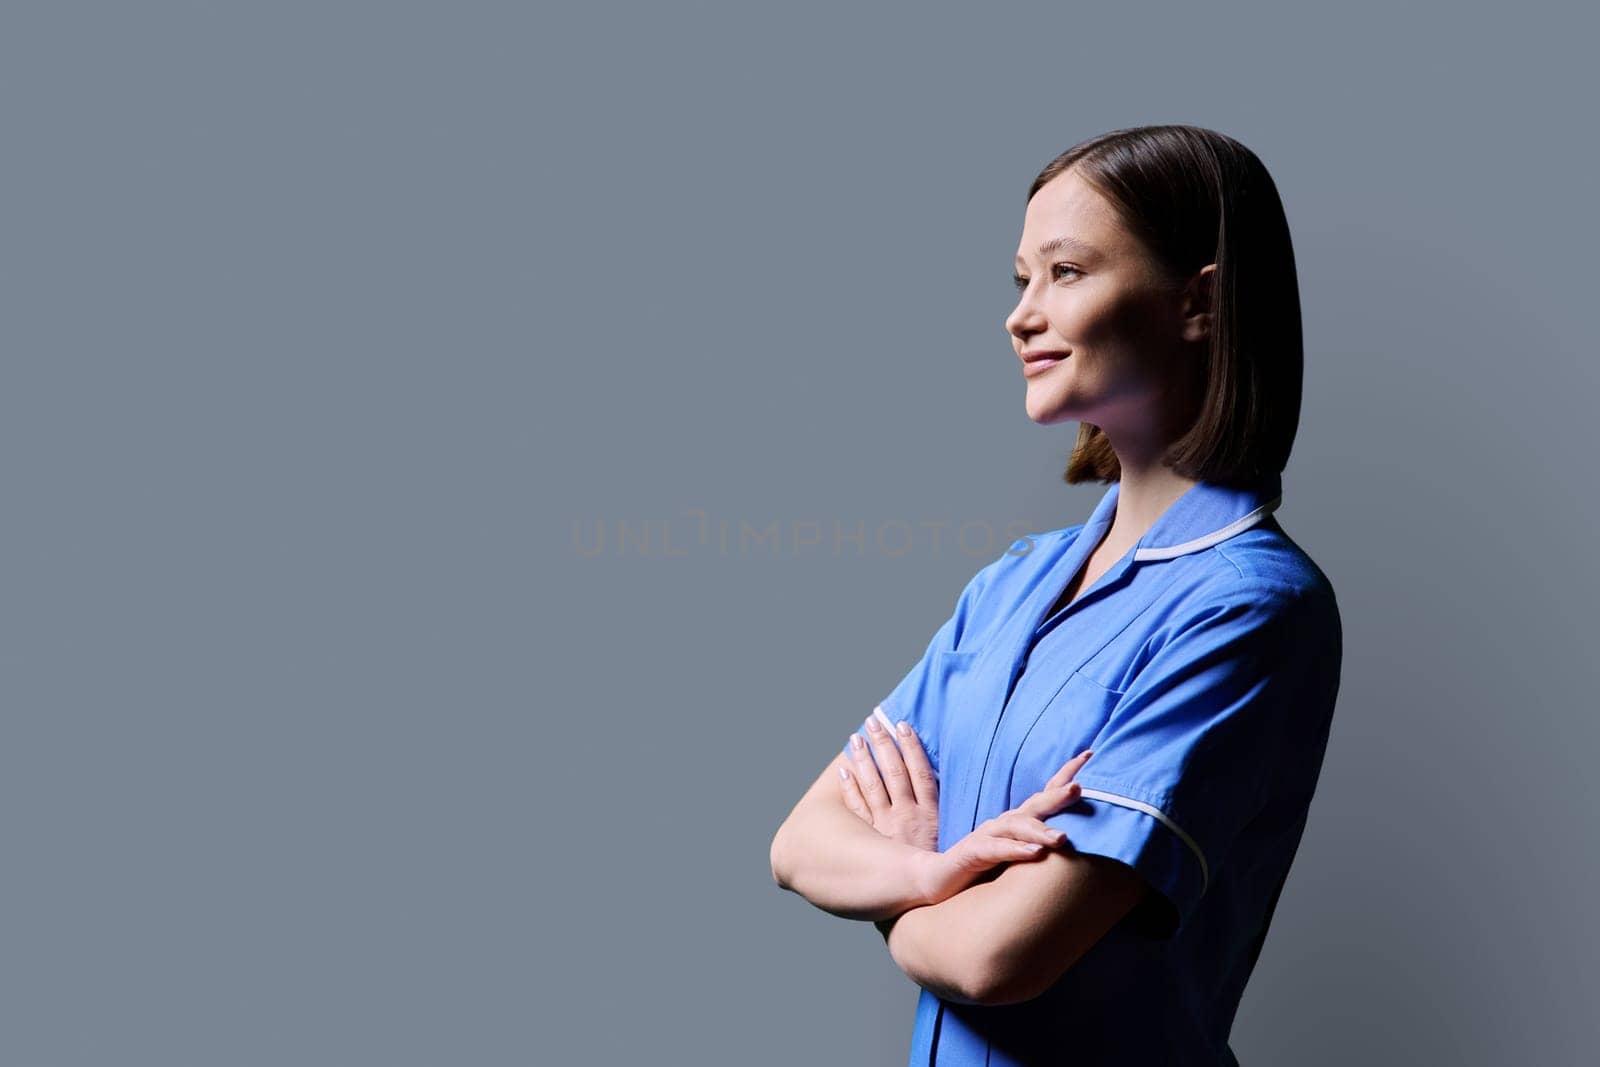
[997,991]
[969,986]
[998,982]
[972,985]
[992,988]
[984,990]
[936,962]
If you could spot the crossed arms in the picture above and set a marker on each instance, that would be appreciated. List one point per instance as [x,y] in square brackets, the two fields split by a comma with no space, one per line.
[999,941]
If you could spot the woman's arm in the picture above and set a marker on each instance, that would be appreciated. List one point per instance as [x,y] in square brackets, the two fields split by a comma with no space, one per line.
[1009,939]
[1006,938]
[833,859]
[821,853]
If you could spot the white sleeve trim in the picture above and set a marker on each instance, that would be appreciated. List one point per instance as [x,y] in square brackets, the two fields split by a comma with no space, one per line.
[1161,816]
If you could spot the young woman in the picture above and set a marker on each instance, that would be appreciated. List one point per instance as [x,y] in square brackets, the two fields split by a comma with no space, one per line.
[1073,818]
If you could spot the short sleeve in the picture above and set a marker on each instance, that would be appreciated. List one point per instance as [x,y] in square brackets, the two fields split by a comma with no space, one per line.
[1187,757]
[918,699]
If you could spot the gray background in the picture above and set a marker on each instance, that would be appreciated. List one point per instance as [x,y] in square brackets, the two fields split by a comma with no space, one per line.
[337,335]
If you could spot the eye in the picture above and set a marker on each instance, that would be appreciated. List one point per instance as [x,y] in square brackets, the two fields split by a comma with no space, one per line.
[1022,283]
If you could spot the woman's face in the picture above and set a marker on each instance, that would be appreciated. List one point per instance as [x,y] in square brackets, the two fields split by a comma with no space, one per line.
[1090,293]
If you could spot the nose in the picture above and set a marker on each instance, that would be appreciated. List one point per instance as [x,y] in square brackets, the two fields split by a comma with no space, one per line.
[1026,319]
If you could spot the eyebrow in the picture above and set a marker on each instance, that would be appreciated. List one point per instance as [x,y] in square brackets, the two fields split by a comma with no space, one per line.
[1065,244]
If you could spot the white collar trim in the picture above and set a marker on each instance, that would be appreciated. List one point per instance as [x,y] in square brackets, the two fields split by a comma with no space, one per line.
[1237,526]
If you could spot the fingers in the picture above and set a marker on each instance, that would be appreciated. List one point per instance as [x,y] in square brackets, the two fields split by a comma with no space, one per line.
[891,765]
[977,852]
[924,782]
[1049,800]
[852,795]
[1008,838]
[1018,826]
[1070,769]
[865,773]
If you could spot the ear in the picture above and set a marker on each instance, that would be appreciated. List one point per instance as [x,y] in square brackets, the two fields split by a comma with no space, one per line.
[1197,296]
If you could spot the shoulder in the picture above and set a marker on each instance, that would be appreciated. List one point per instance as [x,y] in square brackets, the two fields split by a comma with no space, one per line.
[1258,581]
[1267,560]
[1263,566]
[1267,554]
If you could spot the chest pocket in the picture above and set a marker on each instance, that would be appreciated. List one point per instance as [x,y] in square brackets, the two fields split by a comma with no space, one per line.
[956,695]
[1067,725]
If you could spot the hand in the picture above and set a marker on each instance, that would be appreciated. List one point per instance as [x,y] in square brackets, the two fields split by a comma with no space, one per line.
[894,789]
[1018,834]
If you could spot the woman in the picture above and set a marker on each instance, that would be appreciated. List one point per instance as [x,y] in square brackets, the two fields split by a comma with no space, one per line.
[1076,834]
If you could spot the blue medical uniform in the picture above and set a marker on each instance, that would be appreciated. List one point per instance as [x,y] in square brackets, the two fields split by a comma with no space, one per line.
[1202,669]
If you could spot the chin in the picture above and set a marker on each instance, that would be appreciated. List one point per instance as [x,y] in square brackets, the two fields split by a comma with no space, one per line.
[1050,414]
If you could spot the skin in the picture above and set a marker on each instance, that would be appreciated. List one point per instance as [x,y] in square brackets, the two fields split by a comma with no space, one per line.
[891,785]
[1008,939]
[1136,342]
[852,869]
[861,842]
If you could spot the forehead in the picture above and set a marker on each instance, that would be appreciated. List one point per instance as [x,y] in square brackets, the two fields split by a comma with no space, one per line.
[1068,206]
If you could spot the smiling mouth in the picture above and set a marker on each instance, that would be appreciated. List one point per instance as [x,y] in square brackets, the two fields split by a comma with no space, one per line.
[1038,366]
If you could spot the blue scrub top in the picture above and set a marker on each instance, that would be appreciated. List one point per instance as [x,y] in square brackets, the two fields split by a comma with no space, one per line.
[1202,669]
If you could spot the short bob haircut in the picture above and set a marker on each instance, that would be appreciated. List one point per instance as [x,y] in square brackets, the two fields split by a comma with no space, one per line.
[1194,196]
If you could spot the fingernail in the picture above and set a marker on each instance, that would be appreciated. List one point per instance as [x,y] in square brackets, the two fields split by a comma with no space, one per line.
[844,775]
[1086,752]
[878,714]
[856,742]
[1035,847]
[903,728]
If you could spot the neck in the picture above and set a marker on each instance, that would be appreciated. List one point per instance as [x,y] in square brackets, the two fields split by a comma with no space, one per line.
[1147,489]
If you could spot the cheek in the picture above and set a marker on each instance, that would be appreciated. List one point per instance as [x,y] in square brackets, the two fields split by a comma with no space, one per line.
[1146,319]
[1099,319]
[1122,342]
[1123,321]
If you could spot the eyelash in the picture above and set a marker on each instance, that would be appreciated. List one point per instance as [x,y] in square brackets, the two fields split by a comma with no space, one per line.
[1022,283]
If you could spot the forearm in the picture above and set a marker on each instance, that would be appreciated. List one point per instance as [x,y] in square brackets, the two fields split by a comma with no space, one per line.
[842,865]
[943,947]
[1011,938]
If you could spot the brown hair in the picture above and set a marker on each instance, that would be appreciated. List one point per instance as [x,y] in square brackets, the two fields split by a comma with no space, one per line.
[1194,196]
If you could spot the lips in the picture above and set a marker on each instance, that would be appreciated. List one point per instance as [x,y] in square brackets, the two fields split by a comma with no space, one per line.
[1038,362]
